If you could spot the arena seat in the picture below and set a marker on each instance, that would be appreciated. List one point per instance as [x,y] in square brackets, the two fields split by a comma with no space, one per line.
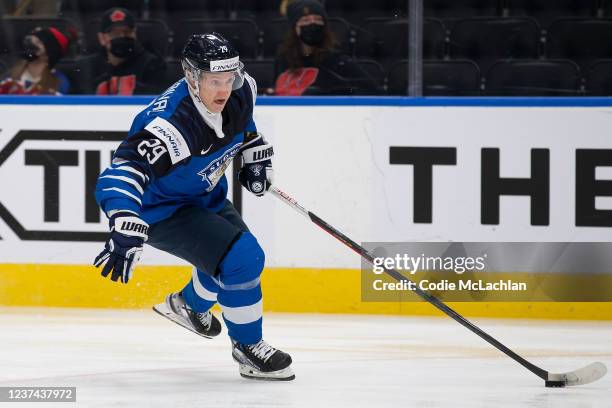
[263,72]
[182,9]
[173,12]
[5,39]
[260,11]
[242,33]
[606,8]
[174,70]
[484,39]
[68,67]
[581,40]
[533,78]
[374,70]
[599,79]
[545,11]
[85,10]
[3,67]
[387,39]
[440,78]
[453,9]
[356,11]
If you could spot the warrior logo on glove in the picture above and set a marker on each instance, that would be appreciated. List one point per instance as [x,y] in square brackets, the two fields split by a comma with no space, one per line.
[124,246]
[138,227]
[256,174]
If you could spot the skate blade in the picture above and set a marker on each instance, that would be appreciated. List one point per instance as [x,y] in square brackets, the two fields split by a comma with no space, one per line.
[163,310]
[286,374]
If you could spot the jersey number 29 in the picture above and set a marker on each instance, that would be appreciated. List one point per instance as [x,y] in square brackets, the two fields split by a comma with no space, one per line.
[151,149]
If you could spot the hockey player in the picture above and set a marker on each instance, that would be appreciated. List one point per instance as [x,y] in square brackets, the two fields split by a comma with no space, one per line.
[166,186]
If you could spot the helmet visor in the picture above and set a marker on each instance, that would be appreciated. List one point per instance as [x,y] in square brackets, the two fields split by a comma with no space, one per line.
[222,80]
[218,80]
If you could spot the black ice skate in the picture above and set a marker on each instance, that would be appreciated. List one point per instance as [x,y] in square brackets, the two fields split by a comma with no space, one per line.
[175,309]
[260,361]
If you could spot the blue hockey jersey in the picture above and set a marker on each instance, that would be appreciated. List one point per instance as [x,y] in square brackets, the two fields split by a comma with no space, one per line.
[174,155]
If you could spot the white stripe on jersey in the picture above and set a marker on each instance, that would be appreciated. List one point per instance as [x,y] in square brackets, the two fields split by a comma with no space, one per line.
[113,212]
[122,191]
[143,176]
[128,180]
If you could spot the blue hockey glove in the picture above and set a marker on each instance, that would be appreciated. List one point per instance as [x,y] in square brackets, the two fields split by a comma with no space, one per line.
[124,246]
[256,174]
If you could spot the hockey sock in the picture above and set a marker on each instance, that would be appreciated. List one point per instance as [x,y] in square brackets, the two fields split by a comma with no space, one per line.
[240,291]
[201,292]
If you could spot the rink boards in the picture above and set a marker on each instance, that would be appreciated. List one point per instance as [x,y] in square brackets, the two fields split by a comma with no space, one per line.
[378,169]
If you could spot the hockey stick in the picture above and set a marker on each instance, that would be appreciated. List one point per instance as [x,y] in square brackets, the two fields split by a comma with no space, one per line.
[584,375]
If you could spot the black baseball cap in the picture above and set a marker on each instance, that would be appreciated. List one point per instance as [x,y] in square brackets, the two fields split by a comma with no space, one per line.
[116,16]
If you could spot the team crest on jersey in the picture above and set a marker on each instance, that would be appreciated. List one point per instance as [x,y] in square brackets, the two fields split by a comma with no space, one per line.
[215,170]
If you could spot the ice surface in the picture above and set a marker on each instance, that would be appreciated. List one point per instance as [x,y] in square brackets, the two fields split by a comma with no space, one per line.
[138,359]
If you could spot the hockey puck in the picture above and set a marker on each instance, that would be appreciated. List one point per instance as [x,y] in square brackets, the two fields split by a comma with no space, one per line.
[555,384]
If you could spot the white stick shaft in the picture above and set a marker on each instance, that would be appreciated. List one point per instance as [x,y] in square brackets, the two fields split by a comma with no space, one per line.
[287,199]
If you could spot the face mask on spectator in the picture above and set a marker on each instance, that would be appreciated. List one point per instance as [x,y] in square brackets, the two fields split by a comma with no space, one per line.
[123,47]
[312,34]
[30,50]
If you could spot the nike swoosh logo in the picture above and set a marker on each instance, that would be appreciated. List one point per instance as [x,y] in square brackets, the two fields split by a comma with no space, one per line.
[207,150]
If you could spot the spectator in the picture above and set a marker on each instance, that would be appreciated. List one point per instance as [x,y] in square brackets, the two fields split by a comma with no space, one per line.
[123,67]
[307,62]
[34,73]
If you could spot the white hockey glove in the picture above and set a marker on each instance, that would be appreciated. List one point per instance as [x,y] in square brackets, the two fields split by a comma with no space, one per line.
[256,174]
[124,246]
